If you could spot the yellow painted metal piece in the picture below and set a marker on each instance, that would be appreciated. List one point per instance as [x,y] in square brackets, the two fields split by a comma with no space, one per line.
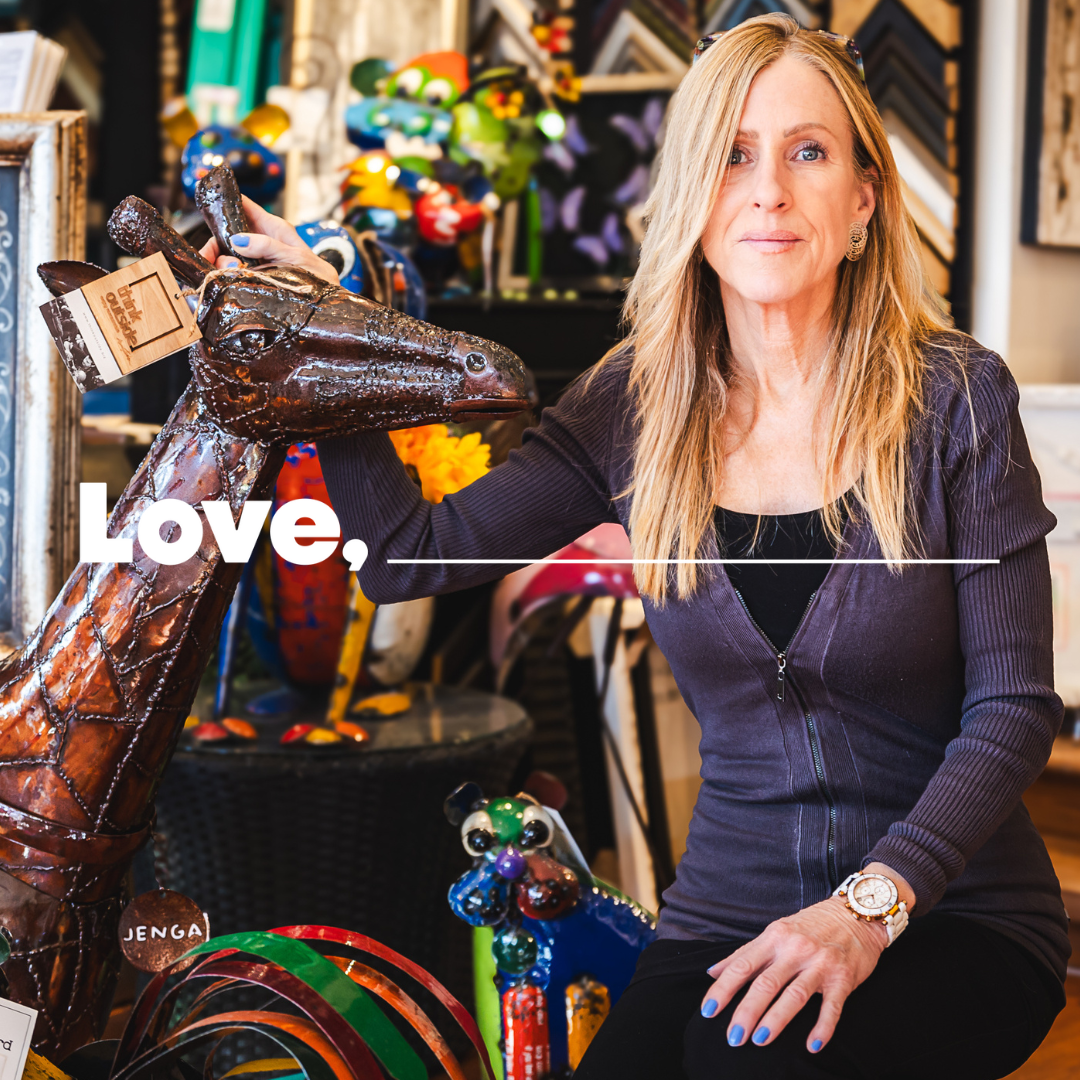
[322,736]
[179,122]
[39,1068]
[190,722]
[267,123]
[372,182]
[588,1003]
[358,620]
[443,462]
[384,704]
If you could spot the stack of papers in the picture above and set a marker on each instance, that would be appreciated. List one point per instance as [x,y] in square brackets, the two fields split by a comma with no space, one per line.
[29,70]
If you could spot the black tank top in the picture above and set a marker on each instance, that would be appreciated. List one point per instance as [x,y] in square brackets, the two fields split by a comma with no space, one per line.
[776,595]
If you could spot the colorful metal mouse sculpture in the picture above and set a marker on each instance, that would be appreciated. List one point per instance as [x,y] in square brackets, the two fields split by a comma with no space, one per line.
[91,707]
[562,939]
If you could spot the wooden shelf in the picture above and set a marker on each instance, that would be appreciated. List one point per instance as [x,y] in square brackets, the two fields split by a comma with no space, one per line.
[1065,756]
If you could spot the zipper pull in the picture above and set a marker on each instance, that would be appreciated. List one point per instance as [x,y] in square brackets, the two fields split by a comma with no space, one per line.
[781,666]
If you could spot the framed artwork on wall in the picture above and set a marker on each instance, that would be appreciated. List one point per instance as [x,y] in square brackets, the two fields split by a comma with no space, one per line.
[42,218]
[578,225]
[1050,206]
[1051,416]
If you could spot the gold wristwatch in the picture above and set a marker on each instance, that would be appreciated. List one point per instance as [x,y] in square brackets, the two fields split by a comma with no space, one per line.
[875,898]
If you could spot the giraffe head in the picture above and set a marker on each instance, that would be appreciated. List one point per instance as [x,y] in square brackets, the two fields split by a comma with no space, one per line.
[286,356]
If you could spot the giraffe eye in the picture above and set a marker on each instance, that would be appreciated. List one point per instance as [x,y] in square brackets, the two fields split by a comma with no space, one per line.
[250,340]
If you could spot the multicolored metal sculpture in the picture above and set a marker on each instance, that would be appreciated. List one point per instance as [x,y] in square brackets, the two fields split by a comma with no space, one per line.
[563,942]
[258,170]
[319,971]
[92,705]
[336,245]
[406,111]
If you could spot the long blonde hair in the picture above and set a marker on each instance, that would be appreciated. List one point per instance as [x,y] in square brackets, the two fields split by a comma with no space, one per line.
[885,311]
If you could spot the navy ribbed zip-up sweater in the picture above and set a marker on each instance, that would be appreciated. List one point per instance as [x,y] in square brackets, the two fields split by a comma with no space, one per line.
[917,706]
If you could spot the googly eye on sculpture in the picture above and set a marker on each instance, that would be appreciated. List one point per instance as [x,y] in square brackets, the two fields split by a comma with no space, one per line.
[537,828]
[335,244]
[478,833]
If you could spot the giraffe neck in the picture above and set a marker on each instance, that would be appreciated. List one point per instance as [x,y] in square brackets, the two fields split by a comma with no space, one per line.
[92,706]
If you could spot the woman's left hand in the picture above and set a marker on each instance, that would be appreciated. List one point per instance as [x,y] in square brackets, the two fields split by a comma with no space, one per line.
[822,949]
[272,240]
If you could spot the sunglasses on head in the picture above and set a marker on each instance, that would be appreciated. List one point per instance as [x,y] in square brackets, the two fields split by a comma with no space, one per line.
[849,45]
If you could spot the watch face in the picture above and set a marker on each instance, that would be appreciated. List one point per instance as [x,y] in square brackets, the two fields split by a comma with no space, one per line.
[872,895]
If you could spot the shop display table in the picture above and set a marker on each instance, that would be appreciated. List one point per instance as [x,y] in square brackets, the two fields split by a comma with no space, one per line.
[263,835]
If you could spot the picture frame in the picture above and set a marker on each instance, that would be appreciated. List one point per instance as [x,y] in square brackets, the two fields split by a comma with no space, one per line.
[1051,417]
[1050,198]
[42,218]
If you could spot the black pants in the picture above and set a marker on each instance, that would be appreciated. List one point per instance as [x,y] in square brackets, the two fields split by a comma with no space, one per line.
[952,999]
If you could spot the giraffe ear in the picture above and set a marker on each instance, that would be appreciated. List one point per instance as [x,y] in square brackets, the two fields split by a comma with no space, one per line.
[140,230]
[67,275]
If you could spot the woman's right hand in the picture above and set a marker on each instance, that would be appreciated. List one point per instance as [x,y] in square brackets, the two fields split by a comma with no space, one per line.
[272,240]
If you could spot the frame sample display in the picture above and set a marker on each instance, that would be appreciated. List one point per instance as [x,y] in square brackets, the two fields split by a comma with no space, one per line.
[42,218]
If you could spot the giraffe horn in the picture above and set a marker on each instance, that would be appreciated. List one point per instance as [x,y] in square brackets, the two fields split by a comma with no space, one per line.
[218,198]
[140,230]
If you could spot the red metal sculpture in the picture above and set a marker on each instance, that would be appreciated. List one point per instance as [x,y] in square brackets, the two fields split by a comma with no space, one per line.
[91,707]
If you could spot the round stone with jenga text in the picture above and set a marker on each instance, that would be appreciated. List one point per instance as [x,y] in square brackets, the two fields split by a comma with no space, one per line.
[158,927]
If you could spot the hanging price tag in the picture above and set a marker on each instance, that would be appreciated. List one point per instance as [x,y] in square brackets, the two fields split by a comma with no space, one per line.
[121,322]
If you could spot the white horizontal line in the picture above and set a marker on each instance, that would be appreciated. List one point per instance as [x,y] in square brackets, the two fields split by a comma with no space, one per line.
[698,562]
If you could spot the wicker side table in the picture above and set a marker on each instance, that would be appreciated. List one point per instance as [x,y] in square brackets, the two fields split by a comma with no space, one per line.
[263,835]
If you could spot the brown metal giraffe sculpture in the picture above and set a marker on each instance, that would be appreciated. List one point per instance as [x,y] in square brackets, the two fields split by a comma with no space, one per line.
[91,707]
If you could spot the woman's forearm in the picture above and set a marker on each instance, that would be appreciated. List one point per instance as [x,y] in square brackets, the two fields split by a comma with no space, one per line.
[1011,717]
[546,495]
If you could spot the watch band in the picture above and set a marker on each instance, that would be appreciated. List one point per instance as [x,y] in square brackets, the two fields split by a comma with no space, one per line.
[896,923]
[895,919]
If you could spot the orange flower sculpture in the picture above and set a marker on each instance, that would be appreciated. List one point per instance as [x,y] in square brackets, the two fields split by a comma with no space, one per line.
[442,462]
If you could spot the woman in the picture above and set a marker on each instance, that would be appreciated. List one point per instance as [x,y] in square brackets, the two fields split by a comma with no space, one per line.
[791,390]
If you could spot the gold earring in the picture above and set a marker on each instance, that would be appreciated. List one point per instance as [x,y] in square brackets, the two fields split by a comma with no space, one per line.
[857,235]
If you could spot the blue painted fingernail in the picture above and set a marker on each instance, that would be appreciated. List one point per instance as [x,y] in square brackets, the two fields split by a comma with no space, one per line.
[815,1046]
[709,1008]
[761,1035]
[231,264]
[240,240]
[734,1036]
